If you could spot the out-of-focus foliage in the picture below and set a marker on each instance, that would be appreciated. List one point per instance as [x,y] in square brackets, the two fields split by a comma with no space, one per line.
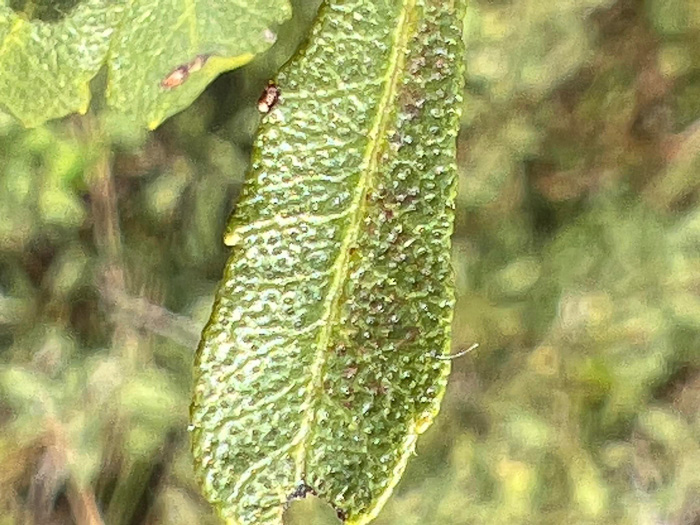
[577,255]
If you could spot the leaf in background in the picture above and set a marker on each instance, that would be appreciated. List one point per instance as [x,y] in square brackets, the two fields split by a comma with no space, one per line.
[45,67]
[46,64]
[156,37]
[320,364]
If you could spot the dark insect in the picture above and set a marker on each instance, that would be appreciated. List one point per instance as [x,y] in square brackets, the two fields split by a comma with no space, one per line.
[300,493]
[342,515]
[269,98]
[178,75]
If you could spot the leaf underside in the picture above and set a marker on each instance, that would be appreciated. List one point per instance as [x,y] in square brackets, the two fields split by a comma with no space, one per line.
[320,364]
[46,65]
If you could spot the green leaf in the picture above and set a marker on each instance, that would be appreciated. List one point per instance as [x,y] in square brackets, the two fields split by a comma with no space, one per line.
[46,64]
[321,363]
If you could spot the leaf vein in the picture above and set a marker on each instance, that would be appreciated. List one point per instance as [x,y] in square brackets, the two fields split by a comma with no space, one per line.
[368,167]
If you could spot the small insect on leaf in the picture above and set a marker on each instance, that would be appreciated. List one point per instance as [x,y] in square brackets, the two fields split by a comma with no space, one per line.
[175,78]
[269,98]
[181,73]
[198,63]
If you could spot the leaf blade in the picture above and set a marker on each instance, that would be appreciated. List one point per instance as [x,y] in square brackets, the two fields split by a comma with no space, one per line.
[318,366]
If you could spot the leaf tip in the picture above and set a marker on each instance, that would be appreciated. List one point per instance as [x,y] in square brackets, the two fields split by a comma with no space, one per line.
[153,124]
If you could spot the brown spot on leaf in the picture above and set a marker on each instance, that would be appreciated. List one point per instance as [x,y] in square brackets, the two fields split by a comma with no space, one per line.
[377,388]
[350,372]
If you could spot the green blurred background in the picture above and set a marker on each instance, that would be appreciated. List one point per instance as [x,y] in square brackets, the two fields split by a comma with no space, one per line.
[577,256]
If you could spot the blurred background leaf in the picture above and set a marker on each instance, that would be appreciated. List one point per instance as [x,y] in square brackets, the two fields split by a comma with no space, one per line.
[576,252]
[159,55]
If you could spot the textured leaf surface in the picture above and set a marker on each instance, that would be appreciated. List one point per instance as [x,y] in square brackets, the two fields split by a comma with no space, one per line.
[320,364]
[46,64]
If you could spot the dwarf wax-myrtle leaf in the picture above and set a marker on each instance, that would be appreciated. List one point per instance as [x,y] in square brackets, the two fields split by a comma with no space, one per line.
[49,52]
[320,364]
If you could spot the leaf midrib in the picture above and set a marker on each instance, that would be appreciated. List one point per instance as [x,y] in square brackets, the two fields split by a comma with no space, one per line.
[369,166]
